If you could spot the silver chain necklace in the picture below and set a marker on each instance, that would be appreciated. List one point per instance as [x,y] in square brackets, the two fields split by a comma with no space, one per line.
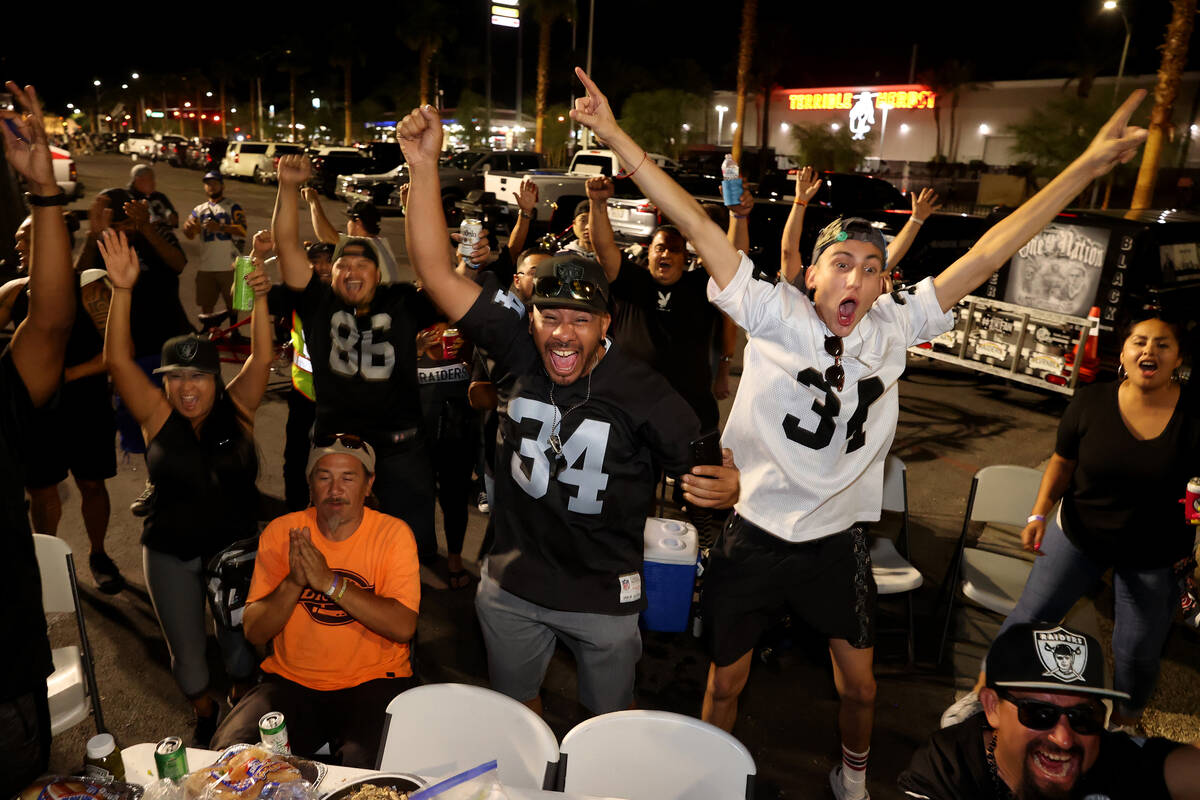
[559,417]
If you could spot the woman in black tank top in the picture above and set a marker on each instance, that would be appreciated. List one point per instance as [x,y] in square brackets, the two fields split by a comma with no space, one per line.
[201,458]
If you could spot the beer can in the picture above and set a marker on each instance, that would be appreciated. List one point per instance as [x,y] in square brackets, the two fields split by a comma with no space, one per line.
[469,230]
[170,757]
[243,295]
[1191,502]
[273,729]
[452,342]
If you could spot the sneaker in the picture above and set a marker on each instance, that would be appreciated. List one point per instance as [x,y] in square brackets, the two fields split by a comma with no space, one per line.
[839,790]
[482,503]
[963,708]
[141,506]
[105,573]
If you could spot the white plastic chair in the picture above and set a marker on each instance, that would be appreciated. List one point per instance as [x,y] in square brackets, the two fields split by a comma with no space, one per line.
[443,728]
[74,678]
[893,572]
[654,755]
[1000,494]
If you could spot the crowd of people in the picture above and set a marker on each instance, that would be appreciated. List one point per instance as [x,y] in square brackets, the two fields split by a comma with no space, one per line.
[582,377]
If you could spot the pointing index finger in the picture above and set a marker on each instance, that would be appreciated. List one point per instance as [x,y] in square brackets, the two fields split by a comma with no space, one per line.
[592,89]
[1121,118]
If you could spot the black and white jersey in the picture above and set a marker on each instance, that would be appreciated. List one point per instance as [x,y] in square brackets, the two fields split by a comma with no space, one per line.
[364,366]
[811,457]
[569,531]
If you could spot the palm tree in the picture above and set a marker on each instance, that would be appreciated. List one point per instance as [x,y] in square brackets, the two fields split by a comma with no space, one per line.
[1166,91]
[426,26]
[745,56]
[546,12]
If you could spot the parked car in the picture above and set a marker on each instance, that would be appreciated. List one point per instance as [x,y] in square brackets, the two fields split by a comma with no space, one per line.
[255,160]
[140,145]
[65,173]
[372,158]
[173,148]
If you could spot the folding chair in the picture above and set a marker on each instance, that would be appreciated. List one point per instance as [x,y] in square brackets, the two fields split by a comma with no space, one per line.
[443,728]
[893,572]
[74,677]
[654,755]
[1000,494]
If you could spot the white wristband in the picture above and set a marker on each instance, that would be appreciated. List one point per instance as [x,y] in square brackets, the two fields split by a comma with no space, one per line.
[917,221]
[1035,518]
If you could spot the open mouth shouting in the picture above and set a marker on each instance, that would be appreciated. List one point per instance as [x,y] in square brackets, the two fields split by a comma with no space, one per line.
[846,311]
[563,361]
[1148,367]
[1055,765]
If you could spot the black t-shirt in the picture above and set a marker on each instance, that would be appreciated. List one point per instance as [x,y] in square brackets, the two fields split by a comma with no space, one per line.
[365,367]
[574,542]
[84,343]
[23,625]
[953,766]
[1122,505]
[156,314]
[671,329]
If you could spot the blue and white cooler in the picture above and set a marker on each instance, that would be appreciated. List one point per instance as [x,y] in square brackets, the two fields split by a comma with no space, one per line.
[671,553]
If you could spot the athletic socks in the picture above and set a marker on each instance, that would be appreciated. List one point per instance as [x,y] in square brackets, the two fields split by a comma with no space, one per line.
[854,773]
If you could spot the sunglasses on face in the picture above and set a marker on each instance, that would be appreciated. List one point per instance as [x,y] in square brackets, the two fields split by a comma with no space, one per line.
[835,376]
[345,439]
[552,286]
[1086,719]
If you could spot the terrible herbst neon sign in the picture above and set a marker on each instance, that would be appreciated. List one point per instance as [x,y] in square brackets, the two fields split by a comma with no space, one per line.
[908,96]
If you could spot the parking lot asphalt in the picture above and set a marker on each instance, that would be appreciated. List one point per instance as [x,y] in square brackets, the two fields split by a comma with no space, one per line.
[951,423]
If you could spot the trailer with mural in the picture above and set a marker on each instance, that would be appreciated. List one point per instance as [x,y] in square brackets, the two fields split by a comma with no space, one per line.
[1051,318]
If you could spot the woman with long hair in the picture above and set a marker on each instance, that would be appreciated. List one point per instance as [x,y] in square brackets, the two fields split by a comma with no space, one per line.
[201,457]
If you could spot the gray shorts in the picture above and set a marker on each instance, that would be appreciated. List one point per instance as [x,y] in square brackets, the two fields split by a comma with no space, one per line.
[520,642]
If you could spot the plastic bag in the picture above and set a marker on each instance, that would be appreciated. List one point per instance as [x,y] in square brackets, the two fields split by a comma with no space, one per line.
[54,787]
[478,783]
[248,773]
[164,789]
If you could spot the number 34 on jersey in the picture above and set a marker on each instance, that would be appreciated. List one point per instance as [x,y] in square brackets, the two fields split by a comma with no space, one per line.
[533,465]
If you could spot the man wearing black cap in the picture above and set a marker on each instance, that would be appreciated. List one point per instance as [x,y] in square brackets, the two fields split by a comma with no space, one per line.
[361,337]
[221,225]
[575,471]
[1041,733]
[362,220]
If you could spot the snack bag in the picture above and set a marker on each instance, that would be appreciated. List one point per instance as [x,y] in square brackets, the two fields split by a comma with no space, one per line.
[477,783]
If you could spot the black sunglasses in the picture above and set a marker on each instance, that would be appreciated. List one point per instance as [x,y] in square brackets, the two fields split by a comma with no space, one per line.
[552,286]
[345,439]
[1086,719]
[835,376]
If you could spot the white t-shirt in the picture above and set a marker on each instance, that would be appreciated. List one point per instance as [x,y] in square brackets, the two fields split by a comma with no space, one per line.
[218,250]
[811,457]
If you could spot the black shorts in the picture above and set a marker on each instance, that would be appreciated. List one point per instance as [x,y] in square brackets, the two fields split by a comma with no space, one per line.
[753,575]
[78,435]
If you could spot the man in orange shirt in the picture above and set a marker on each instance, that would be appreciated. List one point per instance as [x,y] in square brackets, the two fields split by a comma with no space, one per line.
[336,589]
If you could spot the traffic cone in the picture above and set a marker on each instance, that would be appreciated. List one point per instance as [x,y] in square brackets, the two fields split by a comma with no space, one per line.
[1089,366]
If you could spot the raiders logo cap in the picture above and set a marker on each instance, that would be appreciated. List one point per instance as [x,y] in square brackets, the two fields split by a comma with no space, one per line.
[189,352]
[570,281]
[1045,657]
[844,228]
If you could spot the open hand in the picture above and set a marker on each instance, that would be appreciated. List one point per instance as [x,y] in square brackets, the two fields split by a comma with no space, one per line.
[294,170]
[138,212]
[99,215]
[711,486]
[120,259]
[592,110]
[924,203]
[527,196]
[262,243]
[807,184]
[1117,141]
[599,188]
[420,136]
[25,144]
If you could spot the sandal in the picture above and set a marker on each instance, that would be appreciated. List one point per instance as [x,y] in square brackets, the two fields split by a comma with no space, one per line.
[459,579]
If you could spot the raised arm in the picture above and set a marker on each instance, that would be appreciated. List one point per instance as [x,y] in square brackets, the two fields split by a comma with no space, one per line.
[321,224]
[720,257]
[790,260]
[248,388]
[1117,142]
[739,222]
[144,400]
[40,343]
[420,137]
[294,170]
[599,189]
[527,200]
[924,203]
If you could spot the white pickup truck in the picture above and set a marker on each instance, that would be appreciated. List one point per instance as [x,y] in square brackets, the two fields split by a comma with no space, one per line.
[559,191]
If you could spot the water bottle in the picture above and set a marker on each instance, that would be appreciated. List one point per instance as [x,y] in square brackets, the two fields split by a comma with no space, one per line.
[731,183]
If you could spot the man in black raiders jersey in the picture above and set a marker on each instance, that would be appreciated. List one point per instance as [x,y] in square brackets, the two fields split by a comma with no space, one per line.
[360,335]
[575,469]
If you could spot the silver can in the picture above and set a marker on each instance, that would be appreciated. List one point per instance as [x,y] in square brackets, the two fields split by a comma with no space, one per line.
[469,230]
[273,729]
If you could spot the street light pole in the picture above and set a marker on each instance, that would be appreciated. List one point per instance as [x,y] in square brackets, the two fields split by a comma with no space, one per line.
[1112,5]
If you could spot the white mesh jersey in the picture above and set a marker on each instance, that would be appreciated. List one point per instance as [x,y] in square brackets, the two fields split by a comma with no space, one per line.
[811,457]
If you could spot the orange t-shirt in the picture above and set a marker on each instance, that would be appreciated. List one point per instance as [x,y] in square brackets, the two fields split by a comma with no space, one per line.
[321,646]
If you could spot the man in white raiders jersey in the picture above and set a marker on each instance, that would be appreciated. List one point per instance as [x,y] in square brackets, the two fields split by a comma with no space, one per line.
[816,415]
[575,471]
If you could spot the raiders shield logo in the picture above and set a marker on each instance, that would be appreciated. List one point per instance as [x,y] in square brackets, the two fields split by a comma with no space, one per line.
[186,349]
[569,272]
[1063,654]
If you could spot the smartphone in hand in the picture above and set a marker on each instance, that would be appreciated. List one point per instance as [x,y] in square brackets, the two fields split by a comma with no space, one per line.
[707,449]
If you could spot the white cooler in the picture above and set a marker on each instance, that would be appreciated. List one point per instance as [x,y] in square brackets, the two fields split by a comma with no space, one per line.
[671,552]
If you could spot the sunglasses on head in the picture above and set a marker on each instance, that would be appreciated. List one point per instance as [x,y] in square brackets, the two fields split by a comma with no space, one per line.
[835,376]
[553,286]
[345,439]
[1086,719]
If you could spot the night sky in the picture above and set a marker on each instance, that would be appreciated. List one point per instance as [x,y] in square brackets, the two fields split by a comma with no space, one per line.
[646,45]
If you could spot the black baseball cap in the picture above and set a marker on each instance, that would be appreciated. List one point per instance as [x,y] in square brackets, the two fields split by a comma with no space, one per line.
[365,212]
[844,228]
[369,248]
[213,175]
[1045,657]
[571,281]
[189,352]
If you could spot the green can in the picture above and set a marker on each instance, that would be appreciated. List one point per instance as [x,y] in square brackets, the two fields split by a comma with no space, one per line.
[170,756]
[243,295]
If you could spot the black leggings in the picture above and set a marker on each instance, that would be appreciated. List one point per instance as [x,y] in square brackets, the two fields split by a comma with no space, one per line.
[454,437]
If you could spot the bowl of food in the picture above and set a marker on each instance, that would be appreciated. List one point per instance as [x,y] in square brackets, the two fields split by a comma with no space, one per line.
[383,786]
